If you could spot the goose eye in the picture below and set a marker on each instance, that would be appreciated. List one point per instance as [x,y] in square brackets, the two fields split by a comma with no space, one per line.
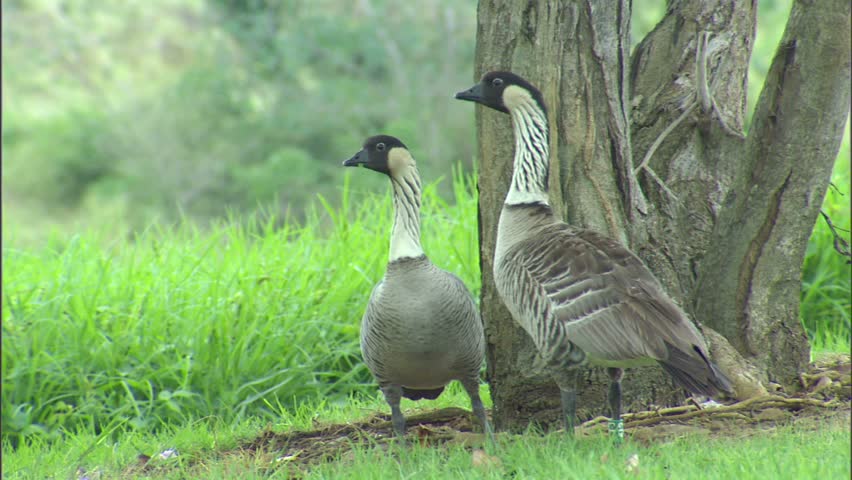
[497,82]
[380,147]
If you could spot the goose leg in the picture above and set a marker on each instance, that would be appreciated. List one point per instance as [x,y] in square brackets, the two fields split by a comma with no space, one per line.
[568,388]
[616,426]
[472,388]
[393,395]
[569,409]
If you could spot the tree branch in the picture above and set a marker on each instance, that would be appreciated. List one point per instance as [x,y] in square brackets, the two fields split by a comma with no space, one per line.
[840,243]
[760,237]
[807,87]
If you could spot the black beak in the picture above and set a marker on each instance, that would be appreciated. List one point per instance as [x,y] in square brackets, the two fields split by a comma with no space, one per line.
[359,158]
[472,94]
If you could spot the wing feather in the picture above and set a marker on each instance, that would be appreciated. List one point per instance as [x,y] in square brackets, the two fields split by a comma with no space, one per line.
[596,294]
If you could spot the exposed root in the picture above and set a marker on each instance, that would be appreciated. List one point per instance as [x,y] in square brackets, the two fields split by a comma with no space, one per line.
[751,404]
[704,91]
[663,185]
[703,97]
[686,412]
[665,133]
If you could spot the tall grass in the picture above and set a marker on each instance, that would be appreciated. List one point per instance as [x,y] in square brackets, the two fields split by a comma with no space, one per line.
[246,319]
[826,304]
[243,320]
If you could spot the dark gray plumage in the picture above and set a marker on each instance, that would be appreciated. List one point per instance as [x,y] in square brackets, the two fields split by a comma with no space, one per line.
[581,296]
[421,328]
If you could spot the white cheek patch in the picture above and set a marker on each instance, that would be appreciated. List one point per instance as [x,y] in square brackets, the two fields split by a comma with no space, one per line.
[399,159]
[515,96]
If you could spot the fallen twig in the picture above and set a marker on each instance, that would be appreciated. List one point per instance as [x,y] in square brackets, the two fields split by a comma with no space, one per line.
[750,404]
[685,412]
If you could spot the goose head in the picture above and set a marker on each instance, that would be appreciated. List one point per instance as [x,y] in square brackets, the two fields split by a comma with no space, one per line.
[502,91]
[383,154]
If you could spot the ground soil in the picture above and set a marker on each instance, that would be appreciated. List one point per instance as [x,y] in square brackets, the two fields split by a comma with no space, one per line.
[825,396]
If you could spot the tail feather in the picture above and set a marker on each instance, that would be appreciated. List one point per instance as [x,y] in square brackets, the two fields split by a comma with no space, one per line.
[413,394]
[723,383]
[696,374]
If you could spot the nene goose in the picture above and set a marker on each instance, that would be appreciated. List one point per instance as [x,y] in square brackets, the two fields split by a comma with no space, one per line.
[421,328]
[581,296]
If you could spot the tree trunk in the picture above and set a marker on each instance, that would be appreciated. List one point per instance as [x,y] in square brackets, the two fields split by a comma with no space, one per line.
[649,150]
[759,242]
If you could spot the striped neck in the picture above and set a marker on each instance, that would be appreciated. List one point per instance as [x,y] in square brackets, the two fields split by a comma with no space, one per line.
[405,234]
[532,149]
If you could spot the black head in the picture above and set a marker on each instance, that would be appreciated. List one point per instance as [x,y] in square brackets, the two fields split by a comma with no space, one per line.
[491,89]
[376,154]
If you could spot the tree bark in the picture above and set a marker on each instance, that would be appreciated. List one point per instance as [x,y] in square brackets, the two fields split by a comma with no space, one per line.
[750,281]
[674,113]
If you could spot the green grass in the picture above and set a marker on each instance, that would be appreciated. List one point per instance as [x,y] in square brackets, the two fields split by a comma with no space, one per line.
[242,320]
[790,451]
[795,454]
[826,275]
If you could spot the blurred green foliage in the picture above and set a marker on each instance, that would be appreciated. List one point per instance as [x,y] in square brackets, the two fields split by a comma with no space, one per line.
[193,108]
[129,112]
[117,115]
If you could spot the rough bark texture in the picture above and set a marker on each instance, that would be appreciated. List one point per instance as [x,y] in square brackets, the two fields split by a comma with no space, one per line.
[749,281]
[721,219]
[695,160]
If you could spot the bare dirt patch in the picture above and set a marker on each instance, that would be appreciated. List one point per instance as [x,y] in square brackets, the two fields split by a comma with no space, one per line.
[825,396]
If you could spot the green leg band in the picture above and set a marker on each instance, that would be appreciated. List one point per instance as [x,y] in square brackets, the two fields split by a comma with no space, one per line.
[616,429]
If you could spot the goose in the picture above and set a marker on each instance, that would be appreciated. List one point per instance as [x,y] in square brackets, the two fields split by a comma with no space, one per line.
[421,328]
[582,297]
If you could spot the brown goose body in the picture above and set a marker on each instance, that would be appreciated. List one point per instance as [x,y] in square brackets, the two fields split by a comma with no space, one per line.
[581,296]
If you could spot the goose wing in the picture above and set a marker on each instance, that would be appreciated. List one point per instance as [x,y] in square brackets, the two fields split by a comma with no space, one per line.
[577,286]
